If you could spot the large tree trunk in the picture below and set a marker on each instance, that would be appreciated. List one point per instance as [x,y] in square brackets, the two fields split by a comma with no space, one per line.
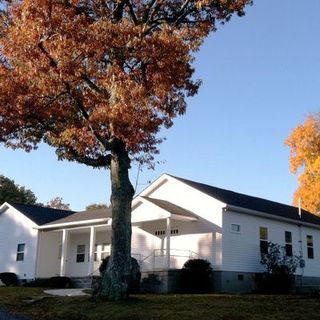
[114,284]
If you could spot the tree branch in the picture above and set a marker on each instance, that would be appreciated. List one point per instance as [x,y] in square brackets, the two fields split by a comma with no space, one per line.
[53,62]
[79,103]
[91,84]
[132,13]
[98,162]
[118,11]
[147,10]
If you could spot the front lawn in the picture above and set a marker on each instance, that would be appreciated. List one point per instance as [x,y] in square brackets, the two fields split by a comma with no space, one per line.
[158,307]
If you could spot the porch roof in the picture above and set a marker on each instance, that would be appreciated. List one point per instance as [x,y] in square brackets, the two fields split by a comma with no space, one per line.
[90,217]
[160,210]
[171,208]
[103,216]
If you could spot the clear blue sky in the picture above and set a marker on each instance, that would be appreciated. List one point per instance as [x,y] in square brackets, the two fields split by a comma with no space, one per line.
[261,77]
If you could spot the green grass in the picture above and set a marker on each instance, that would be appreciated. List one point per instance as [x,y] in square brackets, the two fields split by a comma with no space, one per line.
[158,307]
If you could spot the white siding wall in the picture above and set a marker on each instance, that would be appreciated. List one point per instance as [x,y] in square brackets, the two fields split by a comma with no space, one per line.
[202,237]
[80,269]
[49,254]
[147,211]
[74,268]
[15,228]
[143,244]
[198,238]
[241,252]
[312,265]
[189,198]
[102,237]
[194,239]
[194,246]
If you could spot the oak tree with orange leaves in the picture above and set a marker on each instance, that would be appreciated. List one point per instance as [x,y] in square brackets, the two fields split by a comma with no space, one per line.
[304,143]
[96,80]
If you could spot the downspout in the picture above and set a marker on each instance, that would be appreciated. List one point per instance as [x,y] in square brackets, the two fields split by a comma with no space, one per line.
[302,261]
[36,269]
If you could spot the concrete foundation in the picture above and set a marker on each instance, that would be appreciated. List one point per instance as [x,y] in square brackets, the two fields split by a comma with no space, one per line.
[223,282]
[164,281]
[307,284]
[233,282]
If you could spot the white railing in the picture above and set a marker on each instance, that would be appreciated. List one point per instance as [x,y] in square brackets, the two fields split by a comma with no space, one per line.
[157,259]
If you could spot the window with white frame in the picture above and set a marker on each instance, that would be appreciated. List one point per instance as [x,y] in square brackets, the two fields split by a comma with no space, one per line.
[81,253]
[20,251]
[263,231]
[235,228]
[288,246]
[310,247]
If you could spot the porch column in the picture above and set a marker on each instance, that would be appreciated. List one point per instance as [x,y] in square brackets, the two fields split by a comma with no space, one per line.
[63,252]
[168,242]
[92,249]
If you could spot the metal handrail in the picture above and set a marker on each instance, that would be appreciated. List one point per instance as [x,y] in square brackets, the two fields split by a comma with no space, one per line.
[150,255]
[190,253]
[153,255]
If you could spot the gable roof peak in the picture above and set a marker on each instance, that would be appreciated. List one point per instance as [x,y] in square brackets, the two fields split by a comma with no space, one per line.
[40,215]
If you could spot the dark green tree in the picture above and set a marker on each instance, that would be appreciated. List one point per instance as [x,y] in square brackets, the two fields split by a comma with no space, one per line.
[12,192]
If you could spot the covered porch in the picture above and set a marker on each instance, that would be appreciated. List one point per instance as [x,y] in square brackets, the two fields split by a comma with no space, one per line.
[73,252]
[164,237]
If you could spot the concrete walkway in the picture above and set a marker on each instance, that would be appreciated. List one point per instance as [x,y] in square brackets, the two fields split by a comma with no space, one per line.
[67,292]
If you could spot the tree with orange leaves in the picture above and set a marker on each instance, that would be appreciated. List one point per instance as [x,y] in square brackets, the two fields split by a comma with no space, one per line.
[304,143]
[96,80]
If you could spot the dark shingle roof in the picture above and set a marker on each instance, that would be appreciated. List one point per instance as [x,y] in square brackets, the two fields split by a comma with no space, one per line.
[253,203]
[41,215]
[85,215]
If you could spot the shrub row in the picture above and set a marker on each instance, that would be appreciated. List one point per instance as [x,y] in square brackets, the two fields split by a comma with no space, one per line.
[9,278]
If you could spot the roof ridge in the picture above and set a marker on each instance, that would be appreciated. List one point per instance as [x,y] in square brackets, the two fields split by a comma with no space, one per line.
[38,206]
[39,214]
[234,192]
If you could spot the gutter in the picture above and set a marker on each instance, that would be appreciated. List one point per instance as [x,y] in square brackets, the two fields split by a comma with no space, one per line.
[73,224]
[269,216]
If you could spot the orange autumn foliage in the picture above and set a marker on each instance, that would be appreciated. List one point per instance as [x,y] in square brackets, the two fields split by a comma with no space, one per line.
[304,143]
[77,74]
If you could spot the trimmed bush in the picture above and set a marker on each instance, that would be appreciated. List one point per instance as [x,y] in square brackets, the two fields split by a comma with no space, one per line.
[196,276]
[135,275]
[9,278]
[54,282]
